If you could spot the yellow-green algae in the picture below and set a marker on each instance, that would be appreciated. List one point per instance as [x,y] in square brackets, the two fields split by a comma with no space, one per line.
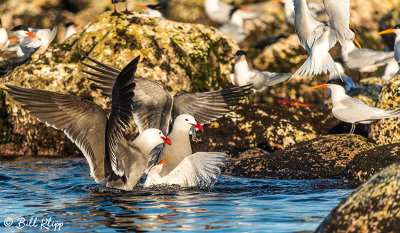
[373,207]
[180,56]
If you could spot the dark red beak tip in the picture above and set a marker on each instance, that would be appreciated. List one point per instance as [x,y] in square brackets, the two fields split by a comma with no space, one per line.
[200,127]
[166,140]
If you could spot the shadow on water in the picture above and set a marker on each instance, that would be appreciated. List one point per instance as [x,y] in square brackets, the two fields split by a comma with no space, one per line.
[62,189]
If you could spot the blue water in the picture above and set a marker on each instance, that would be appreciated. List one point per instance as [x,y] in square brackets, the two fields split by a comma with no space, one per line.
[62,190]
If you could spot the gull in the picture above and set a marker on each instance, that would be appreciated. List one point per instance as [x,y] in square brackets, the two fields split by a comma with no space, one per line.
[100,138]
[179,166]
[243,75]
[351,110]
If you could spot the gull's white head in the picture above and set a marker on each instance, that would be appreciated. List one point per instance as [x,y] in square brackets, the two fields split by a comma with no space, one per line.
[186,122]
[154,137]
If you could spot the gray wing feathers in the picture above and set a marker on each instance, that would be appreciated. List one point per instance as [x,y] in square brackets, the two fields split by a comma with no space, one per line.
[82,121]
[121,111]
[209,106]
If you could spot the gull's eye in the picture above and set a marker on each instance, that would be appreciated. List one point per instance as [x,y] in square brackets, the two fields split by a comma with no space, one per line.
[159,133]
[186,119]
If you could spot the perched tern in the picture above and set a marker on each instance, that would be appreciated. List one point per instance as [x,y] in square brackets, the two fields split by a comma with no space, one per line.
[33,39]
[218,11]
[70,29]
[288,6]
[44,36]
[243,75]
[396,30]
[179,166]
[318,38]
[235,28]
[98,137]
[354,111]
[152,10]
[365,60]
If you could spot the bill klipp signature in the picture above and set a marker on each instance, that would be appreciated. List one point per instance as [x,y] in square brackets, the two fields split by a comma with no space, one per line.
[34,222]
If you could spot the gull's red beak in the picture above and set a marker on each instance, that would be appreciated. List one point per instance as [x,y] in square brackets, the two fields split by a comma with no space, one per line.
[166,140]
[320,86]
[31,34]
[198,126]
[141,6]
[386,31]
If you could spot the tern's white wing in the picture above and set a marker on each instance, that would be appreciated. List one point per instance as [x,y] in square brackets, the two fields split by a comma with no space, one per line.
[355,111]
[198,169]
[339,18]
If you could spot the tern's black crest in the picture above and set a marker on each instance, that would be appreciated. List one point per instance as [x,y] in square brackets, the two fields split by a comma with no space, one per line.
[337,81]
[233,11]
[69,24]
[155,7]
[0,22]
[395,27]
[240,52]
[20,28]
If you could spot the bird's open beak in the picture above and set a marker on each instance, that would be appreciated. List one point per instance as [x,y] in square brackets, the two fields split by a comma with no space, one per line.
[320,86]
[31,34]
[386,31]
[166,140]
[357,43]
[14,39]
[239,57]
[198,126]
[278,0]
[141,6]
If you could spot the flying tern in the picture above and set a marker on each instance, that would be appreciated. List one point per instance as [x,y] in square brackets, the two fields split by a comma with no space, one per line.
[288,6]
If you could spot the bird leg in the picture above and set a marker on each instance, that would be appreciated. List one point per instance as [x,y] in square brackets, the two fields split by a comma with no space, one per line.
[353,127]
[115,13]
[126,8]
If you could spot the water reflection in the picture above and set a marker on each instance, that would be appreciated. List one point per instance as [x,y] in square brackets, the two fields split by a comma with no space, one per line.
[62,189]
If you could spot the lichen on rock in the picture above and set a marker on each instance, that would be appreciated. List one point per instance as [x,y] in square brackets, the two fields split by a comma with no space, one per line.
[373,207]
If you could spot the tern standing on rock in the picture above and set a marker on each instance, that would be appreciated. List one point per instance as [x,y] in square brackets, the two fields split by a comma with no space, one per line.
[365,60]
[354,111]
[243,75]
[318,38]
[179,166]
[152,10]
[98,137]
[396,30]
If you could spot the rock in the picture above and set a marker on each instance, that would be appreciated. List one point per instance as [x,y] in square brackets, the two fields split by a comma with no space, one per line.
[323,157]
[182,57]
[269,127]
[368,163]
[371,87]
[386,131]
[373,207]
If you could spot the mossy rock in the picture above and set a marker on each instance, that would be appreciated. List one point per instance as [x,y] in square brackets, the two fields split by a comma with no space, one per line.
[182,57]
[323,157]
[373,207]
[270,127]
[387,131]
[367,163]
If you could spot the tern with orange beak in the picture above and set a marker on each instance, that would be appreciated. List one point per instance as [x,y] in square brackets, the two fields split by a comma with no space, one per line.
[152,10]
[179,166]
[351,110]
[99,137]
[396,30]
[318,38]
[243,75]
